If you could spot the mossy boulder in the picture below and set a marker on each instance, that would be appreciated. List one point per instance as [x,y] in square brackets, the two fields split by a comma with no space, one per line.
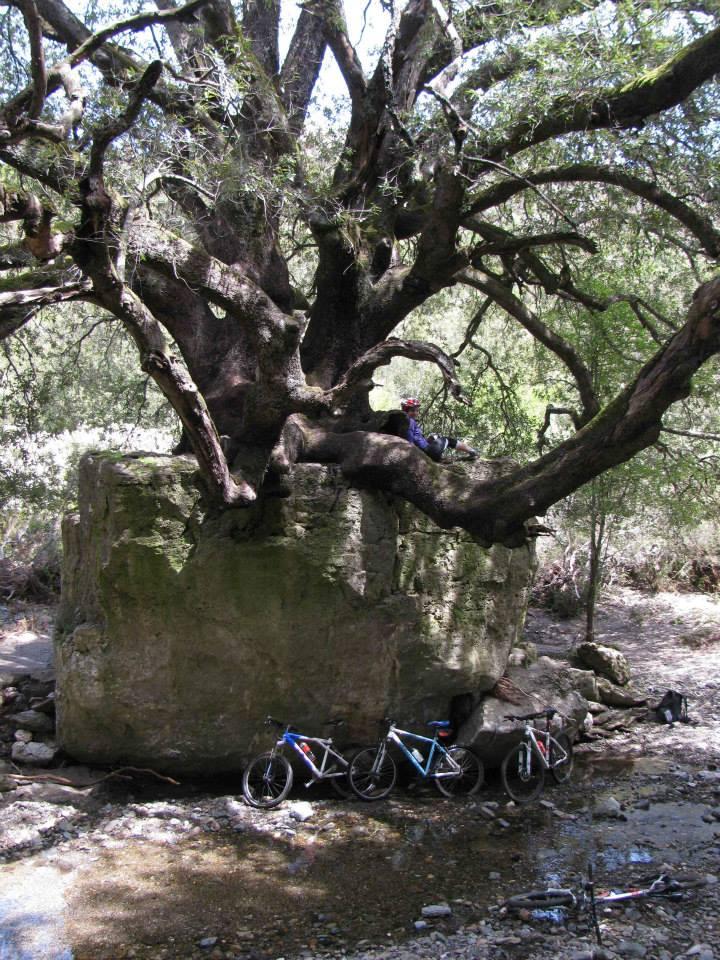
[181,628]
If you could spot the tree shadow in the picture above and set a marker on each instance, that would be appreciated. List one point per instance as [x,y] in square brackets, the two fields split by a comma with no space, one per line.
[263,892]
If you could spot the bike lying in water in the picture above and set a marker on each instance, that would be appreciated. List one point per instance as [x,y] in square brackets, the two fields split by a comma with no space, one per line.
[588,898]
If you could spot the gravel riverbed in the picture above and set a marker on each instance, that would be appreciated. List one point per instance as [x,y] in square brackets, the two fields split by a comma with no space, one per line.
[147,870]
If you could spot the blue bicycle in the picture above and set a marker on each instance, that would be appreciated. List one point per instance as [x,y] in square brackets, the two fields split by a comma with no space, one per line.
[454,770]
[268,777]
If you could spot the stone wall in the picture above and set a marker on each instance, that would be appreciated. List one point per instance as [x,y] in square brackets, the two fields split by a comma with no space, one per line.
[181,629]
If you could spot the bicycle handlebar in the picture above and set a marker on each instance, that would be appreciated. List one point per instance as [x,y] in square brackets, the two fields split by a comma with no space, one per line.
[272,722]
[281,725]
[548,712]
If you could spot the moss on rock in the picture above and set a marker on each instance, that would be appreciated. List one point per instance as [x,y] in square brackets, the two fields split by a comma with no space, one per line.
[181,629]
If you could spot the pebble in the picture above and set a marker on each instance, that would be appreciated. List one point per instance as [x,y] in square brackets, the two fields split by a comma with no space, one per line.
[610,808]
[630,948]
[701,951]
[437,910]
[300,810]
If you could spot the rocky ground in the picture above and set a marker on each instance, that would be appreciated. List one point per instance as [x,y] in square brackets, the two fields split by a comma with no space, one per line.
[141,868]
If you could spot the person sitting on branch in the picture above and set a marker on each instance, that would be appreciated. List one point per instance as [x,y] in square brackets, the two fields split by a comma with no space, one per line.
[433,445]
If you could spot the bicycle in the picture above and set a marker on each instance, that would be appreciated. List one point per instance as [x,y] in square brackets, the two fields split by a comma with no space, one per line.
[552,898]
[268,778]
[523,769]
[454,770]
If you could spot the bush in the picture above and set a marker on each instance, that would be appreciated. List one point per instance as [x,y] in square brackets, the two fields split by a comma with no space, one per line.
[37,581]
[561,585]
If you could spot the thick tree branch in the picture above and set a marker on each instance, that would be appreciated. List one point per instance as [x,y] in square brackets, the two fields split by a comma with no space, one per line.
[260,25]
[139,21]
[24,296]
[628,424]
[19,116]
[116,127]
[512,245]
[625,106]
[224,285]
[37,58]
[699,225]
[496,507]
[332,15]
[118,65]
[165,370]
[301,68]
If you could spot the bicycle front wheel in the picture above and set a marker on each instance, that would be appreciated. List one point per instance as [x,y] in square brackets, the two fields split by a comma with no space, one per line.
[541,900]
[522,774]
[561,771]
[267,780]
[465,782]
[372,773]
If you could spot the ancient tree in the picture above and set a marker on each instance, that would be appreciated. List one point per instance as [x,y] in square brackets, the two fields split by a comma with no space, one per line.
[159,167]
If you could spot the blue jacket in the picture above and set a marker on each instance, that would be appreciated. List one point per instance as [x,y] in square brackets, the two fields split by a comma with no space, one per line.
[415,434]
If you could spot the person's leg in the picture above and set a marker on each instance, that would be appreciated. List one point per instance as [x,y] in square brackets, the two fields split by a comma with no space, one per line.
[436,447]
[465,448]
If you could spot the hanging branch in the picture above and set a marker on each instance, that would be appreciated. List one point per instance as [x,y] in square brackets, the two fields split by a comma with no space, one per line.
[692,434]
[551,411]
[359,375]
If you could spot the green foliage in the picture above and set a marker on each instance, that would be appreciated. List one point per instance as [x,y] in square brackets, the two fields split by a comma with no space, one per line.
[67,382]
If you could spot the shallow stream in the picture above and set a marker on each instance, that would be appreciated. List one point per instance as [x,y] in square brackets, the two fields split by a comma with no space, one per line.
[265,885]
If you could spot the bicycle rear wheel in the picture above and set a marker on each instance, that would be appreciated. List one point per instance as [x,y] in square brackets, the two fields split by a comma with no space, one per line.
[522,774]
[561,772]
[541,900]
[467,781]
[372,773]
[341,786]
[267,780]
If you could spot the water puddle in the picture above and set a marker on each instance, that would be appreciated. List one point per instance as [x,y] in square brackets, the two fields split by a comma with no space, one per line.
[614,765]
[613,859]
[32,911]
[108,895]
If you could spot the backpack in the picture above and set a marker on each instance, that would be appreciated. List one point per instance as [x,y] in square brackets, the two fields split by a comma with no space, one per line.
[672,708]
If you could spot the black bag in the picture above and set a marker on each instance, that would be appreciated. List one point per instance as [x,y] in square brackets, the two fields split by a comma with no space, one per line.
[672,708]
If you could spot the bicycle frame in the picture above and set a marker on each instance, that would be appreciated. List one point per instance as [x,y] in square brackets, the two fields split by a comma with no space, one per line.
[541,747]
[318,769]
[395,735]
[588,898]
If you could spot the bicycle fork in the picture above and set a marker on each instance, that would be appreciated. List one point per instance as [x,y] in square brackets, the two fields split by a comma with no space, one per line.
[378,761]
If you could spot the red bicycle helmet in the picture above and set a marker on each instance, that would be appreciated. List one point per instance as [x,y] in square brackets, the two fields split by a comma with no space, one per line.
[409,403]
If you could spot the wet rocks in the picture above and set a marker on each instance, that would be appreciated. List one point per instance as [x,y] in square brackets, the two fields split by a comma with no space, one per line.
[609,808]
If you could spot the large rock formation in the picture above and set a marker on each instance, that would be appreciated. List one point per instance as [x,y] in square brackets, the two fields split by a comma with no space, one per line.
[181,628]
